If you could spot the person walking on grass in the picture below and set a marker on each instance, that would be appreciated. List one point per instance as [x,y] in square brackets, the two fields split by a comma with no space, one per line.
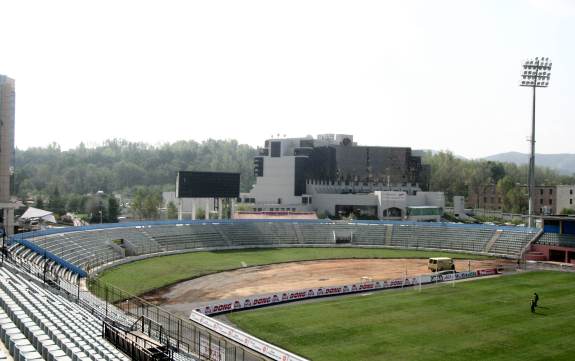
[536,298]
[533,305]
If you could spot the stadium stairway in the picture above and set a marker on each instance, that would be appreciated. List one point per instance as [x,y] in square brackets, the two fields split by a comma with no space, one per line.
[511,243]
[492,241]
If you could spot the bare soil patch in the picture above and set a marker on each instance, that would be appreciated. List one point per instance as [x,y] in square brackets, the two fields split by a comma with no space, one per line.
[185,296]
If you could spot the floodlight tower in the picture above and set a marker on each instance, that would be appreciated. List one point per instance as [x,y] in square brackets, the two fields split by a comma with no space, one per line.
[536,74]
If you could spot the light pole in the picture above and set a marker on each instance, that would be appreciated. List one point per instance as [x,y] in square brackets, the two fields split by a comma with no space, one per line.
[536,74]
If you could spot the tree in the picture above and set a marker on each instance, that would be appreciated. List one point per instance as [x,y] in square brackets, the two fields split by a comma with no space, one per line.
[96,211]
[56,204]
[118,165]
[76,203]
[514,199]
[496,170]
[200,213]
[447,174]
[39,202]
[244,207]
[146,203]
[113,210]
[479,177]
[172,211]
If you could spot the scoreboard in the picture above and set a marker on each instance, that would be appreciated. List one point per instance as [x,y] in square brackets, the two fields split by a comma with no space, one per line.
[192,184]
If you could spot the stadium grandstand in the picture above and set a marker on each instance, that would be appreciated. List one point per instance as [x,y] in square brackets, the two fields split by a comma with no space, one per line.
[52,307]
[74,252]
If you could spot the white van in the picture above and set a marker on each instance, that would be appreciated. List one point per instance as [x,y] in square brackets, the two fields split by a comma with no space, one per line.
[437,264]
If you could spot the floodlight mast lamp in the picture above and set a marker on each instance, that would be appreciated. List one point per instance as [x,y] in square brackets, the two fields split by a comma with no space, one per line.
[536,74]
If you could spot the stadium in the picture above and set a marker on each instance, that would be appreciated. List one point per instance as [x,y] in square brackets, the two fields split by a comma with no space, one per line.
[356,286]
[55,305]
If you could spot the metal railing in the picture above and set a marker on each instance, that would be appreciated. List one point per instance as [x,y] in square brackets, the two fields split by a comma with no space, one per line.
[138,348]
[182,334]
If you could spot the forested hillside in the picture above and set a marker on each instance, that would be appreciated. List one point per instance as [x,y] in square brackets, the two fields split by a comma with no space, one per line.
[119,166]
[62,179]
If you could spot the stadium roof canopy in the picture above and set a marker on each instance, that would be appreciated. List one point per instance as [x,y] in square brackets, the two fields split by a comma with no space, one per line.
[40,214]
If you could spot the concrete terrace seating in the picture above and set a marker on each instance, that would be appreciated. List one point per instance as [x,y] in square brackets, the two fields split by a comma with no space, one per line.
[316,233]
[244,234]
[94,246]
[279,233]
[180,237]
[441,237]
[558,240]
[136,240]
[370,234]
[511,243]
[40,324]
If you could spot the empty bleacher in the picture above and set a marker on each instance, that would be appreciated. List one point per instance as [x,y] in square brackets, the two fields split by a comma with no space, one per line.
[370,234]
[317,233]
[511,243]
[557,240]
[441,237]
[38,324]
[92,247]
[244,234]
[182,236]
[279,233]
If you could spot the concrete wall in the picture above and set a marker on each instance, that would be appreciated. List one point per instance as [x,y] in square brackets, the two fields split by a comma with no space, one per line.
[327,202]
[278,182]
[436,199]
[389,200]
[459,206]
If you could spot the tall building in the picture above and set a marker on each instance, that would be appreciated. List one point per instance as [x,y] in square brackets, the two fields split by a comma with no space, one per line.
[7,117]
[333,175]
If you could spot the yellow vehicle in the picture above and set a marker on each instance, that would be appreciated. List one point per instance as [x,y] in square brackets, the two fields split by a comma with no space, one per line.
[437,264]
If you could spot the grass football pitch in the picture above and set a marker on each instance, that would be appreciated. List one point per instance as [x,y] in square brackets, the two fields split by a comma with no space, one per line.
[486,319]
[152,273]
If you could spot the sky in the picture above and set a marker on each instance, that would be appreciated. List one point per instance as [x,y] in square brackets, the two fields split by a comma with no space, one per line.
[439,75]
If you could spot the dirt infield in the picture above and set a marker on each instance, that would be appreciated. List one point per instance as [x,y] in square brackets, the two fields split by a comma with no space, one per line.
[183,297]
